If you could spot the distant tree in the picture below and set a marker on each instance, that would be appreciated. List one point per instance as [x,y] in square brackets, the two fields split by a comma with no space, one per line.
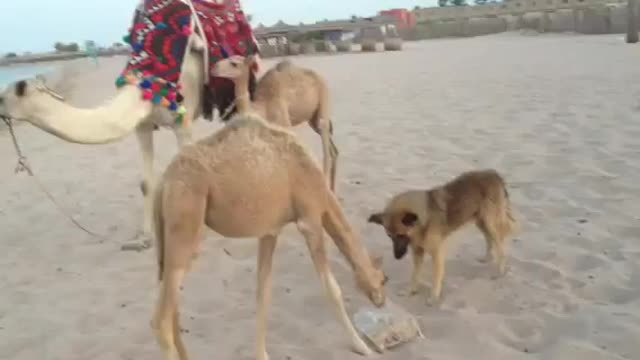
[443,3]
[11,55]
[632,22]
[61,47]
[416,8]
[459,2]
[480,2]
[117,45]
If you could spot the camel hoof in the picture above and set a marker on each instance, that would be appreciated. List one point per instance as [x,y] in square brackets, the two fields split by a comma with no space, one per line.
[360,348]
[485,259]
[264,356]
[139,243]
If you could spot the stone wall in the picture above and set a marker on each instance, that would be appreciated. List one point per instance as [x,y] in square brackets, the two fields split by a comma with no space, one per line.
[586,16]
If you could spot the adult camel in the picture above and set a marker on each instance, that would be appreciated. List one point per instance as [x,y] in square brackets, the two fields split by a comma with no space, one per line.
[32,101]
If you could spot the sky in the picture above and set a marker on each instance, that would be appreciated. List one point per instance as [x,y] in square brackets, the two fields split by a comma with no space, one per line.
[35,25]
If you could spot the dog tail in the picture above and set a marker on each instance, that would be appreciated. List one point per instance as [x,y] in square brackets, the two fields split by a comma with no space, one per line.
[158,221]
[508,221]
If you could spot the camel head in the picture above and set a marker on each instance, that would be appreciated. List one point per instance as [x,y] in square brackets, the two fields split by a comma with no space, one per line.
[24,98]
[371,281]
[234,67]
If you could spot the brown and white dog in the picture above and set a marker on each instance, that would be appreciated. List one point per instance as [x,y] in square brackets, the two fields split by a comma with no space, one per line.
[423,219]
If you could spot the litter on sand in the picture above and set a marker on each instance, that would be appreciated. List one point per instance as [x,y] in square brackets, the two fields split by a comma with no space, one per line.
[386,327]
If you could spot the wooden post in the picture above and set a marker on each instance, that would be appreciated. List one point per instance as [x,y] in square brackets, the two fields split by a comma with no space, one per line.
[632,25]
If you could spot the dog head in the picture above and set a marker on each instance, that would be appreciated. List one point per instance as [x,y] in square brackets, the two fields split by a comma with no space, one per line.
[406,216]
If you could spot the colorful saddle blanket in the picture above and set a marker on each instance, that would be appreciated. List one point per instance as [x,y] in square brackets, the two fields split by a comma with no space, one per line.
[159,38]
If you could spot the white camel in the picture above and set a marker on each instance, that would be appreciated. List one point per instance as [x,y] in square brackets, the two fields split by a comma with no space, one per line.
[31,101]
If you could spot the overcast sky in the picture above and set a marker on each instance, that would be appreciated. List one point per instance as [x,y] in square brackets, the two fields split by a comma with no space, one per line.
[35,25]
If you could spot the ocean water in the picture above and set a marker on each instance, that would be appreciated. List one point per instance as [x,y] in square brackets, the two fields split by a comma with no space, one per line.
[10,74]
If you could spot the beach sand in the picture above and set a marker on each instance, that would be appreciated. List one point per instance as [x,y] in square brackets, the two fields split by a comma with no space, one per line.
[557,115]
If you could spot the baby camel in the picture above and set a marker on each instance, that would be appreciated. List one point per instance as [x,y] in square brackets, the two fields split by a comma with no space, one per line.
[287,95]
[250,179]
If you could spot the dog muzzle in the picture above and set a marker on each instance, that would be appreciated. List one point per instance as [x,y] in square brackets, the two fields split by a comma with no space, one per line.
[400,245]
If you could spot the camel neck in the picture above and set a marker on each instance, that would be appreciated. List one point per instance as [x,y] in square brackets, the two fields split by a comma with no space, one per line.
[243,100]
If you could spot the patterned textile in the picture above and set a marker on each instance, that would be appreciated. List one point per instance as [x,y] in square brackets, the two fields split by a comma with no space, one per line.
[159,38]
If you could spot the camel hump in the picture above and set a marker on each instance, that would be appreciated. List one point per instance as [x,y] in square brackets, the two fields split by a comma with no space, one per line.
[283,65]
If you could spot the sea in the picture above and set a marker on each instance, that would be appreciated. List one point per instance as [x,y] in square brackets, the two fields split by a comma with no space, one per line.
[9,74]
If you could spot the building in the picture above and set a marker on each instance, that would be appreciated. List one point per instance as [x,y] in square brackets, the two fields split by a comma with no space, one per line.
[335,30]
[404,19]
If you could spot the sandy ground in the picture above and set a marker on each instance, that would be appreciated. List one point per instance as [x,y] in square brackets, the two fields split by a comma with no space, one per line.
[557,115]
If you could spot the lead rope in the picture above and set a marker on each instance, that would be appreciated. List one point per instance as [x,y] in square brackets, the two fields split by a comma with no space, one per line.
[23,165]
[205,52]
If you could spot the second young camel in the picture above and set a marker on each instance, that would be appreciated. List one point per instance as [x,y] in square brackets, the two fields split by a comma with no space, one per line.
[250,179]
[287,95]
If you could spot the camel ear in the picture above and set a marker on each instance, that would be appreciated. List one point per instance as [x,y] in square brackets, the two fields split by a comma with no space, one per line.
[21,88]
[250,60]
[438,199]
[375,218]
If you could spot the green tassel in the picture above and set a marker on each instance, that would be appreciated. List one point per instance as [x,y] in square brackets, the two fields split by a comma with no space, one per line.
[179,119]
[121,81]
[127,39]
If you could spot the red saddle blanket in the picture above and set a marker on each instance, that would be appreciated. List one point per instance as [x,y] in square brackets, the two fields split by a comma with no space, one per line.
[159,37]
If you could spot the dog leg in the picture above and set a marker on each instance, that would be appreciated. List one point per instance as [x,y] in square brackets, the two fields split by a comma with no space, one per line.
[493,235]
[438,260]
[267,245]
[418,262]
[490,252]
[313,234]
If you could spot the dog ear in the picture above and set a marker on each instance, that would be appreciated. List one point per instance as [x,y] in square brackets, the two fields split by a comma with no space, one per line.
[438,199]
[409,219]
[375,218]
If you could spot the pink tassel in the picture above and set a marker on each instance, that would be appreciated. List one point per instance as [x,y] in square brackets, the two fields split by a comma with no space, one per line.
[147,95]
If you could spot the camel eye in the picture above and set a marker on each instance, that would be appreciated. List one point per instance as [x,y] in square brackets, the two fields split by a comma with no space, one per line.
[234,65]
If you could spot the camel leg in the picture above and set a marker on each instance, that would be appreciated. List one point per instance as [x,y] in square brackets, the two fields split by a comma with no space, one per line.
[184,135]
[144,133]
[165,320]
[267,245]
[313,234]
[180,230]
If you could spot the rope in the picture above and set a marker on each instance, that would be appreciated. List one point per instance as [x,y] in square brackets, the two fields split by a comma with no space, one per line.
[23,165]
[205,53]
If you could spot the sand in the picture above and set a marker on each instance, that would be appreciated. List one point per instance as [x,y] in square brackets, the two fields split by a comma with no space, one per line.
[556,114]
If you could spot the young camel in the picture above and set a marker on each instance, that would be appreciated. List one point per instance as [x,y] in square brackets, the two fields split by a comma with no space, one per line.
[287,95]
[250,179]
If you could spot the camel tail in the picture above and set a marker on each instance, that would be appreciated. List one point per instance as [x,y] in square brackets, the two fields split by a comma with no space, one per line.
[158,220]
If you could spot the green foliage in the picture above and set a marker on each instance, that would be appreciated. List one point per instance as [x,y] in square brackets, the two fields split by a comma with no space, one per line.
[443,3]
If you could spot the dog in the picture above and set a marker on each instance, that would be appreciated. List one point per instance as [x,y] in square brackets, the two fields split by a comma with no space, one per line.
[423,219]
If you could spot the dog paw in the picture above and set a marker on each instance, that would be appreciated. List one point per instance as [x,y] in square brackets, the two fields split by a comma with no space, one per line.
[408,292]
[434,301]
[500,273]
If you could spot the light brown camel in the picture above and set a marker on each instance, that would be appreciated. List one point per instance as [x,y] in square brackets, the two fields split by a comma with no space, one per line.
[250,179]
[287,95]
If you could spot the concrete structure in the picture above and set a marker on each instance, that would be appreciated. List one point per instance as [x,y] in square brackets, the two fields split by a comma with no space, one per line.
[582,16]
[334,31]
